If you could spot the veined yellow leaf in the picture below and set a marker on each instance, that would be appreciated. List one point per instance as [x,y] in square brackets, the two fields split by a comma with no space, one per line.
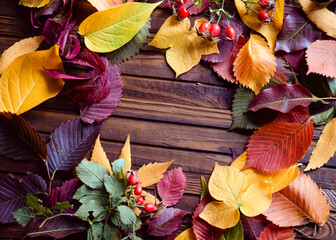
[25,84]
[152,173]
[110,29]
[18,49]
[126,154]
[186,235]
[101,5]
[34,3]
[99,156]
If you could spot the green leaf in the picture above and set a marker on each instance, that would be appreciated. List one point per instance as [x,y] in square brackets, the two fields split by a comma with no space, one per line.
[86,194]
[108,30]
[126,219]
[332,85]
[92,174]
[33,203]
[97,231]
[113,186]
[205,189]
[23,216]
[234,233]
[92,206]
[62,205]
[118,165]
[131,48]
[198,3]
[110,232]
[324,117]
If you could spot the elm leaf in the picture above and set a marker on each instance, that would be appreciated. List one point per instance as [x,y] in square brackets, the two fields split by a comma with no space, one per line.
[92,174]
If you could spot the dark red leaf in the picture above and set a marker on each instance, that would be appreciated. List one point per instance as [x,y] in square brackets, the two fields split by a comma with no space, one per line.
[294,59]
[65,192]
[273,232]
[253,226]
[299,114]
[171,187]
[282,98]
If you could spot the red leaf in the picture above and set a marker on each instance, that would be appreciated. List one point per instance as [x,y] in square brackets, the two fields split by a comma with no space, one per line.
[282,98]
[172,185]
[272,232]
[253,226]
[299,114]
[278,145]
[202,229]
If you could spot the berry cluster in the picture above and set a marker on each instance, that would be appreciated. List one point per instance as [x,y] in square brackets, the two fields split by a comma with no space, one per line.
[133,180]
[208,30]
[265,15]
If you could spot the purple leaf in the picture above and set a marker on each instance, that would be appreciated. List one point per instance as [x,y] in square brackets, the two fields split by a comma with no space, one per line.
[171,187]
[100,110]
[195,10]
[56,227]
[297,33]
[13,193]
[65,192]
[253,226]
[69,144]
[282,98]
[166,223]
[202,229]
[19,140]
[294,59]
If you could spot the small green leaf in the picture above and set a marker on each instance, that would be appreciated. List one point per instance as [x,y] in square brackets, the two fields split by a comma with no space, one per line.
[324,117]
[113,186]
[125,218]
[86,194]
[97,231]
[332,85]
[205,189]
[118,165]
[198,3]
[23,216]
[234,233]
[92,206]
[92,174]
[33,202]
[62,205]
[110,232]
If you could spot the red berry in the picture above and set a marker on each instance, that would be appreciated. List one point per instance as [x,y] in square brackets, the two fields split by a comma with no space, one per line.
[138,189]
[230,33]
[263,16]
[182,13]
[204,27]
[149,207]
[214,30]
[264,3]
[132,179]
[140,200]
[180,2]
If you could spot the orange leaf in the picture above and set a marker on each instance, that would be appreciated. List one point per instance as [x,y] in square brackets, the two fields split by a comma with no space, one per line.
[101,5]
[99,156]
[152,173]
[126,154]
[322,17]
[269,31]
[325,147]
[278,145]
[321,58]
[272,232]
[186,235]
[255,64]
[298,204]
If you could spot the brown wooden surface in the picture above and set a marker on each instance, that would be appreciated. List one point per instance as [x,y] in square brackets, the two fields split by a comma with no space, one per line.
[185,119]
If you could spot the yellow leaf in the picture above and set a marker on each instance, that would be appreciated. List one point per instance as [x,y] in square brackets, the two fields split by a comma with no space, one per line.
[101,5]
[99,156]
[234,191]
[186,235]
[18,49]
[34,3]
[110,29]
[269,31]
[152,173]
[25,84]
[126,154]
[321,16]
[185,47]
[255,64]
[278,180]
[325,147]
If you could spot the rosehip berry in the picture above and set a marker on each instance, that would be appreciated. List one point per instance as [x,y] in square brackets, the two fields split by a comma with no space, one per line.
[149,207]
[180,2]
[263,16]
[230,33]
[214,30]
[204,28]
[132,179]
[138,189]
[264,3]
[182,13]
[140,200]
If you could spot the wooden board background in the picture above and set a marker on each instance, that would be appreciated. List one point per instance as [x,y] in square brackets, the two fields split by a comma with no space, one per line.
[185,119]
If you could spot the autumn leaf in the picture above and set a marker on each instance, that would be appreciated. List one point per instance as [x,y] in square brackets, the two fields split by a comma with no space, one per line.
[185,47]
[24,84]
[186,235]
[253,226]
[255,64]
[152,173]
[278,180]
[269,31]
[321,58]
[234,191]
[101,5]
[278,145]
[18,49]
[272,232]
[322,17]
[99,156]
[325,147]
[126,154]
[34,3]
[299,114]
[298,204]
[102,32]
